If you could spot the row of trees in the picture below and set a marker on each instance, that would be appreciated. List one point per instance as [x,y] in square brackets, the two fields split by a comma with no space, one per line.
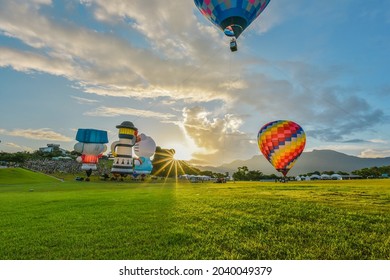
[373,172]
[244,174]
[20,157]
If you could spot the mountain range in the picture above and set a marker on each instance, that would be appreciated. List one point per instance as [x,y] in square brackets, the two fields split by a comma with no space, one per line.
[317,160]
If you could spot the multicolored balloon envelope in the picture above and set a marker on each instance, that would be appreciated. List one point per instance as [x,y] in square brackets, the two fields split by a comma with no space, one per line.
[281,143]
[232,16]
[91,145]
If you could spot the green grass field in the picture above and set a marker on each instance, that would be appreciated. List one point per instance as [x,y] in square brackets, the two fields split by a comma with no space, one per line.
[44,218]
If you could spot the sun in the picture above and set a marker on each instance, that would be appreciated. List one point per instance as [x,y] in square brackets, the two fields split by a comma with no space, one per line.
[182,152]
[167,164]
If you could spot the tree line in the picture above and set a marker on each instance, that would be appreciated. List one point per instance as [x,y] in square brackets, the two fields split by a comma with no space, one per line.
[165,165]
[373,172]
[244,174]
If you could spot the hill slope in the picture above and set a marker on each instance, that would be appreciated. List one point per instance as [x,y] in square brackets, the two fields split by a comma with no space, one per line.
[317,160]
[15,176]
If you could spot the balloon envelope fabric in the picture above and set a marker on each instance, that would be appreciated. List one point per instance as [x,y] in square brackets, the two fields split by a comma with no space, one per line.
[87,135]
[236,13]
[281,143]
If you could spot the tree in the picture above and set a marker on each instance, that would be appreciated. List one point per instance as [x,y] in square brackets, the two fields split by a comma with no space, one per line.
[254,175]
[220,175]
[328,172]
[18,157]
[314,173]
[206,173]
[240,175]
[374,172]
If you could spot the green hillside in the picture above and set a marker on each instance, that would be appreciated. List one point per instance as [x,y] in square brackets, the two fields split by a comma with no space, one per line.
[19,176]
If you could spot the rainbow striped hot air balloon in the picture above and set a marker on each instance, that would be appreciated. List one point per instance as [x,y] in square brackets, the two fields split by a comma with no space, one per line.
[281,142]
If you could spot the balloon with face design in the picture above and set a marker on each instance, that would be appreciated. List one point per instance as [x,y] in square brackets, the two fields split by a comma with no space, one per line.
[144,149]
[122,150]
[91,145]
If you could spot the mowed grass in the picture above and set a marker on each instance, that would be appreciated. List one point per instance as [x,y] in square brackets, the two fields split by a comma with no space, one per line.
[169,220]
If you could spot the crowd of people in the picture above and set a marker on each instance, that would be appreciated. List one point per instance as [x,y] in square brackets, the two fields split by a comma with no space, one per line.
[50,166]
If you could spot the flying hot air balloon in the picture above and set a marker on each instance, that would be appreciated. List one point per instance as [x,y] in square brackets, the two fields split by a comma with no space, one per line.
[231,16]
[281,142]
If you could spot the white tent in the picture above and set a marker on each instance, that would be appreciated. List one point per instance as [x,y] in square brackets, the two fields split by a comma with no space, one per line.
[336,177]
[195,178]
[315,177]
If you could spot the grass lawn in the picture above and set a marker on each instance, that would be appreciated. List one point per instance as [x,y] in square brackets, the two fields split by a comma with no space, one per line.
[44,218]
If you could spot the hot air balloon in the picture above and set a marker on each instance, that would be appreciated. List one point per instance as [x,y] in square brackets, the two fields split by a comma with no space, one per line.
[122,150]
[231,16]
[144,149]
[91,145]
[281,143]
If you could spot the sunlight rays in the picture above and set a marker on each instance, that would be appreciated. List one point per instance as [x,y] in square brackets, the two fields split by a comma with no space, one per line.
[169,165]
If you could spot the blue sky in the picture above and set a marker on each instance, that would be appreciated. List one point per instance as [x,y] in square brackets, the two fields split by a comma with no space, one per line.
[73,64]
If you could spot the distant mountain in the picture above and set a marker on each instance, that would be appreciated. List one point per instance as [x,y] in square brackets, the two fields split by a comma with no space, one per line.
[317,160]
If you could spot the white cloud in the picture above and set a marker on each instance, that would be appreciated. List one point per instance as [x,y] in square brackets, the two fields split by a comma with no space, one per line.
[371,153]
[19,147]
[82,100]
[190,68]
[170,25]
[104,111]
[379,141]
[183,61]
[37,134]
[219,138]
[44,2]
[30,62]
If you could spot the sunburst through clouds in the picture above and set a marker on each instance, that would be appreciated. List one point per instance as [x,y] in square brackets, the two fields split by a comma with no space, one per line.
[165,164]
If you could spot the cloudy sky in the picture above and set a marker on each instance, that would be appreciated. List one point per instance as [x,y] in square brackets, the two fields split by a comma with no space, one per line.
[95,63]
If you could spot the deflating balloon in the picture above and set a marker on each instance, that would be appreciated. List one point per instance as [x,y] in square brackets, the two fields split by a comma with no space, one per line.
[231,16]
[281,143]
